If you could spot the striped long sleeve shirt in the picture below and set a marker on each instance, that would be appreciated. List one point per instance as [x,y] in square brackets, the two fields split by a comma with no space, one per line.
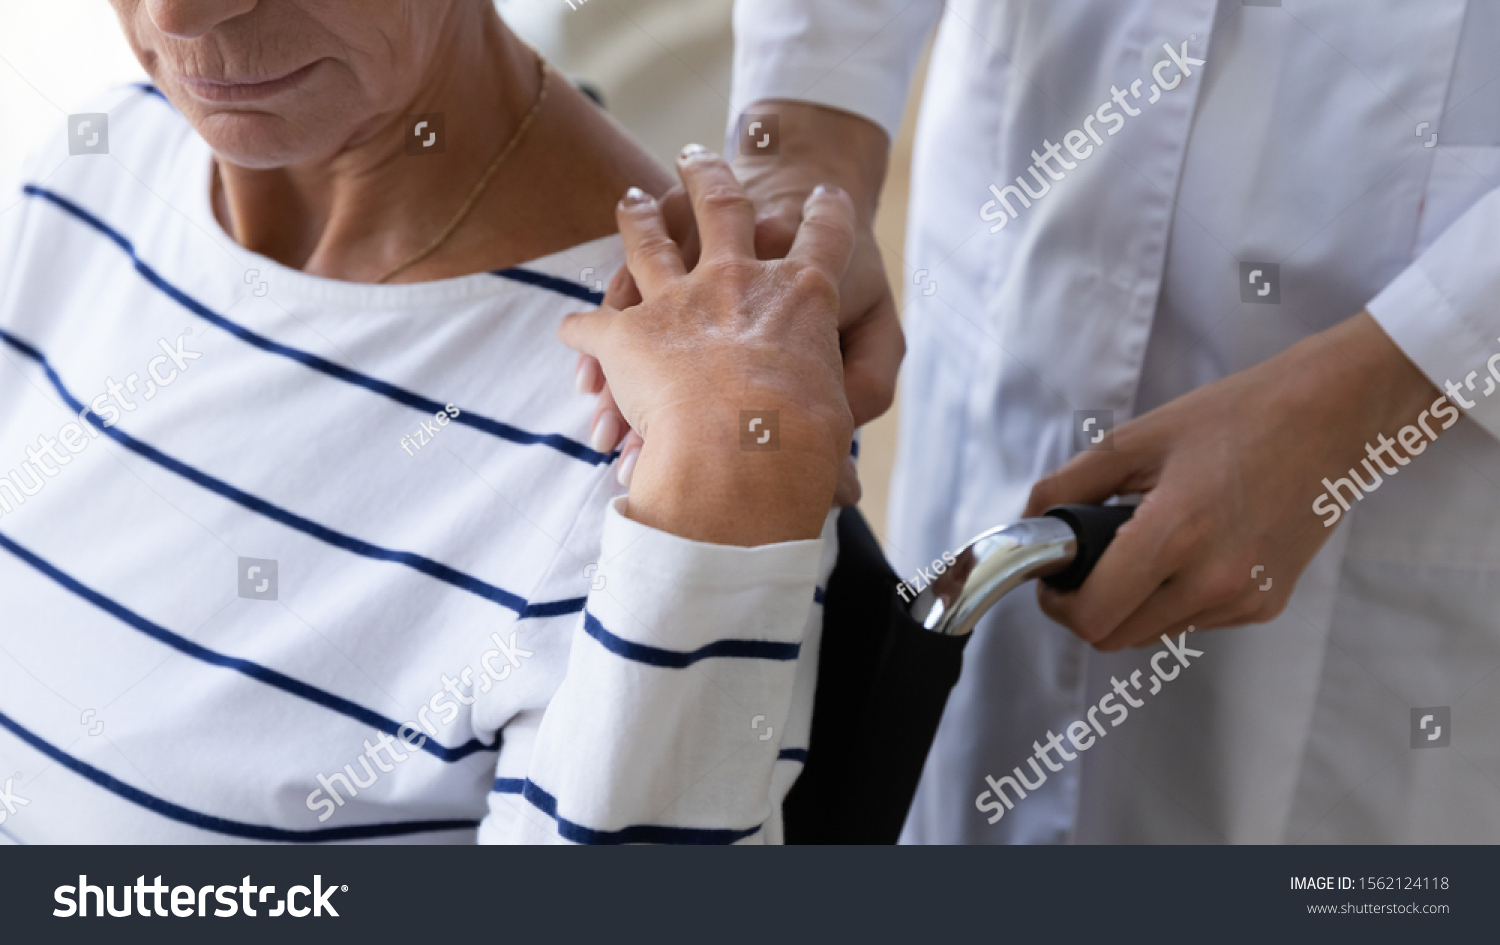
[288,559]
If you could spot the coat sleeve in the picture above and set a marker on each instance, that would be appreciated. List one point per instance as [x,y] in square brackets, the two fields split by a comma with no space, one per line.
[1443,311]
[682,686]
[854,55]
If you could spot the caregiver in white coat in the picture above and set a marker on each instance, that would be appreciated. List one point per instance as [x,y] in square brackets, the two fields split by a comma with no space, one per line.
[1299,157]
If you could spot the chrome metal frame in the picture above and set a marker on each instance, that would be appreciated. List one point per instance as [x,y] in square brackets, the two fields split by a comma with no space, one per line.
[988,568]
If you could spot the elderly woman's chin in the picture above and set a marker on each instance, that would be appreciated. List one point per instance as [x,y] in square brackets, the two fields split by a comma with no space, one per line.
[310,115]
[262,140]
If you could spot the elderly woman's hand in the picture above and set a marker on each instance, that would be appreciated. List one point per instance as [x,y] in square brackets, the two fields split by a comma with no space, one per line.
[817,145]
[732,373]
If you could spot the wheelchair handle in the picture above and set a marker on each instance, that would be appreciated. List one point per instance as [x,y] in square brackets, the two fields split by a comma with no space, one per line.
[1061,547]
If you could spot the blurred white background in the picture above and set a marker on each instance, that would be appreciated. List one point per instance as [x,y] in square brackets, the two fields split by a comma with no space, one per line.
[55,55]
[663,67]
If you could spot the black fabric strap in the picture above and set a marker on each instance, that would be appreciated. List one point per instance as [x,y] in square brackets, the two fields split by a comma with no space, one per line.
[883,682]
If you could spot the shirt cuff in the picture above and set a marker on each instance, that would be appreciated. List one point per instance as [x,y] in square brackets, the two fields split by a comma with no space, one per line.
[1441,312]
[701,592]
[857,57]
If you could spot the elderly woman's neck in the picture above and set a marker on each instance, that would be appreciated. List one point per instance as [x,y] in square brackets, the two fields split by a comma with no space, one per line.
[366,209]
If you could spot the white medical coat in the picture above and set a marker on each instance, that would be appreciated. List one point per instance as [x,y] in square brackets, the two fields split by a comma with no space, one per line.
[1300,142]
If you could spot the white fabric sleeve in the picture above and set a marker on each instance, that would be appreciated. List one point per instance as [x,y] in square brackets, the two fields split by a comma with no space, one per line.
[15,208]
[854,55]
[684,659]
[1443,311]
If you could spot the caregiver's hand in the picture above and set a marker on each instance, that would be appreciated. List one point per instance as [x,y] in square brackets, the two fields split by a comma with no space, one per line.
[734,336]
[817,145]
[1230,473]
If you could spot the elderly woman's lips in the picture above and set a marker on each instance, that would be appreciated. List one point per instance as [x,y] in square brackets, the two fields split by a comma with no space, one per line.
[243,90]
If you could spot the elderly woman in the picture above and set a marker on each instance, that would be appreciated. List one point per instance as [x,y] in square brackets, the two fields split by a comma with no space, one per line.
[305,531]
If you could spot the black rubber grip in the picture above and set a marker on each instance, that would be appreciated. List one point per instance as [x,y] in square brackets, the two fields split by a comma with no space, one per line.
[1095,527]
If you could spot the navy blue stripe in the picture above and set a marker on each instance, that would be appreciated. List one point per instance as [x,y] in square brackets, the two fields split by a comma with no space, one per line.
[543,281]
[676,659]
[400,395]
[817,595]
[276,513]
[793,754]
[231,828]
[150,89]
[245,667]
[639,833]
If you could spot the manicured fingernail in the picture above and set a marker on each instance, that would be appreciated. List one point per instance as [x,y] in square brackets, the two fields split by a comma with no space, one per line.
[693,151]
[584,380]
[635,197]
[606,433]
[627,466]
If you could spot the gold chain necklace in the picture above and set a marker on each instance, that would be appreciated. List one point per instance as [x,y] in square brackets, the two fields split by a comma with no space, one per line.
[484,181]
